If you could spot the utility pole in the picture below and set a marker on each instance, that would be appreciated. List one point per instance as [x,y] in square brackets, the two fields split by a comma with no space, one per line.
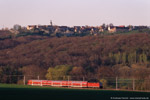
[68,81]
[83,78]
[38,77]
[24,80]
[116,83]
[133,84]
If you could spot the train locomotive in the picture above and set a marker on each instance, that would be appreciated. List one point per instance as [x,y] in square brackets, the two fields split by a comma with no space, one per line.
[79,84]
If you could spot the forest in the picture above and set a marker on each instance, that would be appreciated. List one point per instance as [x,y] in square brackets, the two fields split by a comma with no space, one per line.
[119,55]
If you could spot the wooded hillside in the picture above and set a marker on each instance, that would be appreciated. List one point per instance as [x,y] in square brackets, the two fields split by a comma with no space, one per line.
[92,55]
[92,51]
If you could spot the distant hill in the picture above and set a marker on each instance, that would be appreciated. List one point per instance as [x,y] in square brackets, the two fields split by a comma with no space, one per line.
[85,51]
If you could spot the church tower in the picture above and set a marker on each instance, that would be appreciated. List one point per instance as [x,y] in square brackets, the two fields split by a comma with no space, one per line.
[51,23]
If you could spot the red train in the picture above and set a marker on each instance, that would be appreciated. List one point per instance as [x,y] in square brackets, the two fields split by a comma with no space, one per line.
[82,84]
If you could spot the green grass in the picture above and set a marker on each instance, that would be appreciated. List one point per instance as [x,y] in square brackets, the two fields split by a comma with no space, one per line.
[20,92]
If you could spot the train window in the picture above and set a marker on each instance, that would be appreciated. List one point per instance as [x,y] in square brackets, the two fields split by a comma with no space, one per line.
[93,80]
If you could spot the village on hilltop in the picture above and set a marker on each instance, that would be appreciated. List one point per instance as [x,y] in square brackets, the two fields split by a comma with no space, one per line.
[55,30]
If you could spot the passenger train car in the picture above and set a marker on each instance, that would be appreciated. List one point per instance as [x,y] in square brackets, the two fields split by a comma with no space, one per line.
[82,84]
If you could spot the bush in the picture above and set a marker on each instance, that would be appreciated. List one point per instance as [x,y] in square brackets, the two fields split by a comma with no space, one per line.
[20,82]
[104,83]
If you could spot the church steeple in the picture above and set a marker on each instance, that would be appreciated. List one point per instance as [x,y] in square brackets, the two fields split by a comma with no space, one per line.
[51,23]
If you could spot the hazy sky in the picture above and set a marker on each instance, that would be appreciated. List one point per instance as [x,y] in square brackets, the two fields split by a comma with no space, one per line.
[74,12]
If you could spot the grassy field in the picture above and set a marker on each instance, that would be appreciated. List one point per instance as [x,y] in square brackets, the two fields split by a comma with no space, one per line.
[20,92]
